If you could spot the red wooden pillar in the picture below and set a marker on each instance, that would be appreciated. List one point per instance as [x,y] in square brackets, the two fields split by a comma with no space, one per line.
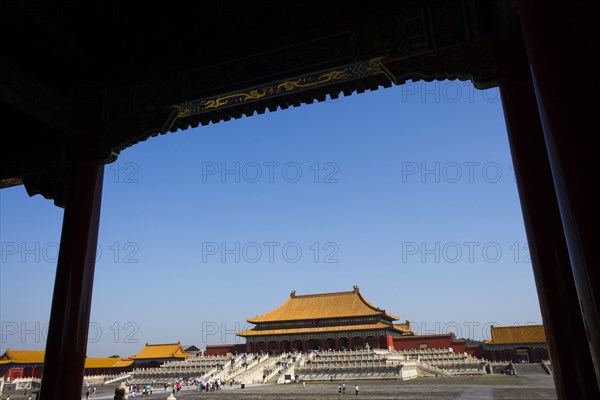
[72,299]
[389,342]
[572,363]
[568,117]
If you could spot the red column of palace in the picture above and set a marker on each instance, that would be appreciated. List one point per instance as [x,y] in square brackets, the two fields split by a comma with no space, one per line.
[560,38]
[66,344]
[389,341]
[572,363]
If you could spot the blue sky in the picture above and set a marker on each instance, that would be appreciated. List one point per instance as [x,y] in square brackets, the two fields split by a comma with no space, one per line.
[407,192]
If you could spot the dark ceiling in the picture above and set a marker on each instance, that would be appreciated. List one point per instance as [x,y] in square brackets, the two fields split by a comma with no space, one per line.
[112,73]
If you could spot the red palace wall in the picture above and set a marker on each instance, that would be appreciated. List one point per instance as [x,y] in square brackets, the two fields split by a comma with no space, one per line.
[21,372]
[475,350]
[437,342]
[16,373]
[222,349]
[428,341]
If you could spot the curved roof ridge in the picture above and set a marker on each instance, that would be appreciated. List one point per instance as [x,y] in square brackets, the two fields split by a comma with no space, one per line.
[162,344]
[369,304]
[321,294]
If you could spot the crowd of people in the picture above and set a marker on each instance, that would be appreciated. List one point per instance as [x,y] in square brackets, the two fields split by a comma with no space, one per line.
[134,390]
[199,384]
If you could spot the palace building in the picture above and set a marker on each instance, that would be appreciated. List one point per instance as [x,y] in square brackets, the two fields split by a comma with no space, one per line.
[343,320]
[30,363]
[526,343]
[15,364]
[153,355]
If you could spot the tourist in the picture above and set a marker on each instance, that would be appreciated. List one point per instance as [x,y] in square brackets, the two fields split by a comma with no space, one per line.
[87,395]
[340,389]
[343,388]
[303,384]
[356,389]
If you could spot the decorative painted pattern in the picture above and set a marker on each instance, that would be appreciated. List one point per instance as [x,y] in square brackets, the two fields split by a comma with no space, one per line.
[353,71]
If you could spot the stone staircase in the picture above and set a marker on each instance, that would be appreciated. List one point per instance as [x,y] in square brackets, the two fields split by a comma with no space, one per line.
[425,369]
[531,369]
[119,378]
[255,371]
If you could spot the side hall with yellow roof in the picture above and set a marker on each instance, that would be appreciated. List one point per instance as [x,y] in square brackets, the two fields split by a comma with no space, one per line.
[519,344]
[30,364]
[341,320]
[152,355]
[21,363]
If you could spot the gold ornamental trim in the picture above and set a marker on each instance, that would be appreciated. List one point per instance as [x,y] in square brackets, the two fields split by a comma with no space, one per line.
[352,71]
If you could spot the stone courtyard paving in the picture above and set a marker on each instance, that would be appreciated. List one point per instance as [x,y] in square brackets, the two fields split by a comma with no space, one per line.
[499,387]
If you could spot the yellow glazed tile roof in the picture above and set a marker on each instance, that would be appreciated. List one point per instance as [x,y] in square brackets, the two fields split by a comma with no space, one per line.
[124,362]
[107,363]
[517,334]
[24,356]
[320,306]
[324,329]
[37,357]
[405,327]
[154,351]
